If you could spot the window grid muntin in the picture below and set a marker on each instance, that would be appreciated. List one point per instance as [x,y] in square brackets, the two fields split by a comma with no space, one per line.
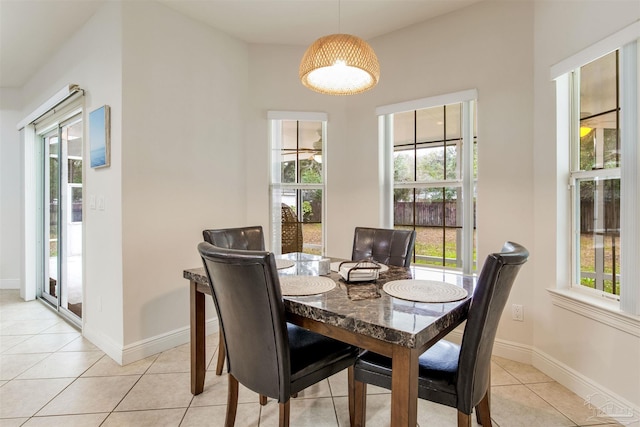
[415,184]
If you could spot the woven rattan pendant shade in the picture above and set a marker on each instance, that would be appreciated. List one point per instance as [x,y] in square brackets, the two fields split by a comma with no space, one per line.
[339,64]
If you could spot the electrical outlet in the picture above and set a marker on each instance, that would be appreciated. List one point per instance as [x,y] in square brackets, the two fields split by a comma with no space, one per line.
[517,312]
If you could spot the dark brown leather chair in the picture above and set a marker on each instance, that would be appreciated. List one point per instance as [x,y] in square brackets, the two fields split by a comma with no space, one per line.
[264,352]
[244,238]
[386,246]
[452,375]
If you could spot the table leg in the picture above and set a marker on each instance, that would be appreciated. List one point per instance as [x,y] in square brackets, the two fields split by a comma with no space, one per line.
[198,337]
[404,387]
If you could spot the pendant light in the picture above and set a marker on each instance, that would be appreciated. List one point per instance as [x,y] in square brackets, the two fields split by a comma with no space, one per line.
[339,64]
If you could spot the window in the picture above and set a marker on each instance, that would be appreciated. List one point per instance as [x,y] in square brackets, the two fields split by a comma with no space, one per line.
[597,119]
[595,175]
[297,181]
[432,150]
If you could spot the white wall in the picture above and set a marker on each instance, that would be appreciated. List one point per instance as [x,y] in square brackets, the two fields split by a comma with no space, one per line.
[579,352]
[183,167]
[92,59]
[177,92]
[463,50]
[10,190]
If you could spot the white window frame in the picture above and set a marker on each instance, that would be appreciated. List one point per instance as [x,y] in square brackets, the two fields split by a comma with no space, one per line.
[625,313]
[276,185]
[468,99]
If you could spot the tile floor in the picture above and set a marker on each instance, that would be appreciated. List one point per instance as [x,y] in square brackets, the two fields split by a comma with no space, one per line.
[51,376]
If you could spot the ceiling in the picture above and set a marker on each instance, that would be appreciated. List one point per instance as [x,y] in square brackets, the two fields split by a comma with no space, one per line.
[32,30]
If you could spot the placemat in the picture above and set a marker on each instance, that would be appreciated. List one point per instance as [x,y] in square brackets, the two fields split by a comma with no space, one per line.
[281,264]
[424,290]
[335,266]
[305,285]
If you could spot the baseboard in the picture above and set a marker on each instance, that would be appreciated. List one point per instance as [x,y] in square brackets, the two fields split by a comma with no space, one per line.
[10,284]
[103,342]
[602,401]
[144,348]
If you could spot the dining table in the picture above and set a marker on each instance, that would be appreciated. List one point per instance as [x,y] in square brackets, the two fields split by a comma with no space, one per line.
[360,313]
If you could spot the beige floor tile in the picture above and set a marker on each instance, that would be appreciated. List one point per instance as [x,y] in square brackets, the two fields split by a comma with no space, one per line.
[434,414]
[23,398]
[80,344]
[318,412]
[378,410]
[320,389]
[374,389]
[25,327]
[61,365]
[61,327]
[9,296]
[82,420]
[521,371]
[157,391]
[90,395]
[43,343]
[247,415]
[12,422]
[106,366]
[574,407]
[499,376]
[12,365]
[177,359]
[215,392]
[8,341]
[339,384]
[341,405]
[22,311]
[517,406]
[152,418]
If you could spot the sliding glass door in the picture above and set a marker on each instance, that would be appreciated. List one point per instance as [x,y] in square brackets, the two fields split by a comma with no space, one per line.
[61,190]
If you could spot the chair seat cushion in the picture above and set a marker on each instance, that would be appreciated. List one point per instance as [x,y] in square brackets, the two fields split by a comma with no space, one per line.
[437,371]
[312,354]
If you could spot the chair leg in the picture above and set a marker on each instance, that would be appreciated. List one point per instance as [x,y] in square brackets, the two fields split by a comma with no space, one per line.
[464,420]
[232,402]
[359,404]
[488,397]
[222,354]
[483,412]
[284,414]
[351,392]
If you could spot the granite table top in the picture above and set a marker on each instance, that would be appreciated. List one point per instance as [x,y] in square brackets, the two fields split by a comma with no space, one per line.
[366,309]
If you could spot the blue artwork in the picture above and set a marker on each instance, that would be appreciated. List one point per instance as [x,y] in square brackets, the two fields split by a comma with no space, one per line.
[99,137]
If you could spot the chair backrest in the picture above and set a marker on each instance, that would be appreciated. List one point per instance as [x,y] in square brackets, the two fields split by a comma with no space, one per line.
[387,246]
[246,291]
[245,238]
[292,240]
[489,298]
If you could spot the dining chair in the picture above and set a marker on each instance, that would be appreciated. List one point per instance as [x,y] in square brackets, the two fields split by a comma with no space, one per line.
[291,238]
[244,238]
[455,375]
[264,352]
[386,246]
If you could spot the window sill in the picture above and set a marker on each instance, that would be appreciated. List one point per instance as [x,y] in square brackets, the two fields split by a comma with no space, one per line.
[600,310]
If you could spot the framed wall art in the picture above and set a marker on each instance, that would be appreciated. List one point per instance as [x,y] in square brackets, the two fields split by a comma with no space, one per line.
[100,137]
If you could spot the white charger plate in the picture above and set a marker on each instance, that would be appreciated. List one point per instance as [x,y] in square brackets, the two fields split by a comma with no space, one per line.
[424,290]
